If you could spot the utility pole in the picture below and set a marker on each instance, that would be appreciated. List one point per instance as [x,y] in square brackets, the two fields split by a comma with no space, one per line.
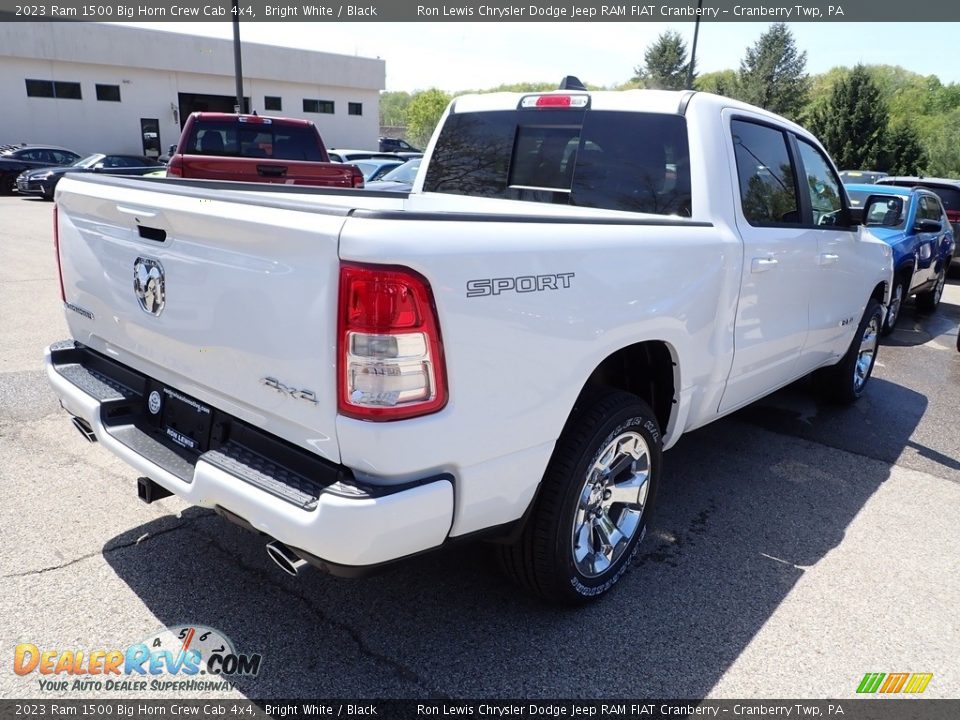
[237,64]
[693,50]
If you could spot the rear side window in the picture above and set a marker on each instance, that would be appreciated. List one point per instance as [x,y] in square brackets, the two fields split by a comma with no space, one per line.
[254,140]
[637,162]
[768,182]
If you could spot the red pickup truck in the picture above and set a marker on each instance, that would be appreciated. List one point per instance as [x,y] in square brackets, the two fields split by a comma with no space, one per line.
[255,148]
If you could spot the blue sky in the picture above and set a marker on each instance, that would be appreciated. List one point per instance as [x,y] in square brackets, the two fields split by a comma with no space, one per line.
[457,56]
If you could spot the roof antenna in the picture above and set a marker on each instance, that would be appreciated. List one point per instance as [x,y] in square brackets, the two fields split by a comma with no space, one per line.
[572,82]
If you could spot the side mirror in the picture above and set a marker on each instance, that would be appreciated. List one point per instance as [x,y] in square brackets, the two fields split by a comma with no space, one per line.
[883,211]
[926,225]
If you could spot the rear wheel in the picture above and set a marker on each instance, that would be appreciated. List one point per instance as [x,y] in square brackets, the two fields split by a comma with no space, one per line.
[930,299]
[846,381]
[7,183]
[594,502]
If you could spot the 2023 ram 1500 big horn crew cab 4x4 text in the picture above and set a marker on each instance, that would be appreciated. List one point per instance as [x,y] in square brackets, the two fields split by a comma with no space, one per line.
[575,280]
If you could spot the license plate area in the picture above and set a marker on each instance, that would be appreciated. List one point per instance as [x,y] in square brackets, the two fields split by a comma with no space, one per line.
[184,421]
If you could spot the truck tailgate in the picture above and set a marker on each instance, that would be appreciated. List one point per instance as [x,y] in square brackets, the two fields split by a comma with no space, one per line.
[267,170]
[231,301]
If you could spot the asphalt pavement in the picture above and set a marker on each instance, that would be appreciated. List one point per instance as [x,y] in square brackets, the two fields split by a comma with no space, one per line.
[796,547]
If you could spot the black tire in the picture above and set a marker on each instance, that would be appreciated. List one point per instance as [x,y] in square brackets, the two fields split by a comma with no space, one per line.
[841,383]
[898,296]
[930,300]
[7,184]
[544,559]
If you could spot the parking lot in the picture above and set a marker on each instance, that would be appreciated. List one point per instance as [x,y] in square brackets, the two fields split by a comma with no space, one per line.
[796,547]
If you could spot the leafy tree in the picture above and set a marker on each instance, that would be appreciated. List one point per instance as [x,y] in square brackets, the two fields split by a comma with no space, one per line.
[424,112]
[664,63]
[853,122]
[393,108]
[943,150]
[721,82]
[772,75]
[903,153]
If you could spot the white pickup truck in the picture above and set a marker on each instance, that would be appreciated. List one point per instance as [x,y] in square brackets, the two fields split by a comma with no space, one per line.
[575,280]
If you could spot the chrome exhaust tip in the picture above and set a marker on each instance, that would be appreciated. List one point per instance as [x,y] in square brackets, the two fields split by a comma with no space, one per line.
[83,427]
[286,558]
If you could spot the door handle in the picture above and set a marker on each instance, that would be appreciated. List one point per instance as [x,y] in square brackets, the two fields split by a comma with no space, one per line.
[828,259]
[762,264]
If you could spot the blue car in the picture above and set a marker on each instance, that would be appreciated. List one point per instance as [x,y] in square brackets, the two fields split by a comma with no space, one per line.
[913,222]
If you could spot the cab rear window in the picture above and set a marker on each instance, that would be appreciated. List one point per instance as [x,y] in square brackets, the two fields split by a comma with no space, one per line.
[637,162]
[254,140]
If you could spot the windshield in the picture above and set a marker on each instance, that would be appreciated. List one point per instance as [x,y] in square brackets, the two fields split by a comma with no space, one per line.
[89,160]
[403,173]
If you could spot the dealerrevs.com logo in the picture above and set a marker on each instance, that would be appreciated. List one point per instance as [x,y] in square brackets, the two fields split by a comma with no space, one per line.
[177,658]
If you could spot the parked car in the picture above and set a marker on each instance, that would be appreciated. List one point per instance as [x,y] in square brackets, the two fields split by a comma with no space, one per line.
[43,181]
[257,148]
[375,168]
[860,176]
[347,155]
[912,221]
[398,146]
[18,158]
[946,189]
[400,179]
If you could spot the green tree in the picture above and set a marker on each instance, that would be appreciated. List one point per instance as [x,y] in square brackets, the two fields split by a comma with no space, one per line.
[393,108]
[853,122]
[424,112]
[772,75]
[943,150]
[903,153]
[664,63]
[721,82]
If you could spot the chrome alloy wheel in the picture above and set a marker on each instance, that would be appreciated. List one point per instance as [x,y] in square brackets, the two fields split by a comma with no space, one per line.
[868,349]
[608,513]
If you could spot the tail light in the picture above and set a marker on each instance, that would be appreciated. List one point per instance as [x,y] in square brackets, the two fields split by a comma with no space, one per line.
[554,101]
[175,166]
[390,356]
[356,179]
[56,250]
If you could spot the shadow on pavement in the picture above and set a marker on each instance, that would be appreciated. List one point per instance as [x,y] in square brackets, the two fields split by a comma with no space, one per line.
[743,511]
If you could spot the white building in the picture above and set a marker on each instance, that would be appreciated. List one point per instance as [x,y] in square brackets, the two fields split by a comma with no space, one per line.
[104,88]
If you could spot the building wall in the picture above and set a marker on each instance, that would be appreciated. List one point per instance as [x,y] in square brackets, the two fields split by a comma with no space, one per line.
[151,68]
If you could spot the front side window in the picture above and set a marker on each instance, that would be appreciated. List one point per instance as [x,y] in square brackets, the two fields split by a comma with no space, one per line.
[766,174]
[628,161]
[822,185]
[929,209]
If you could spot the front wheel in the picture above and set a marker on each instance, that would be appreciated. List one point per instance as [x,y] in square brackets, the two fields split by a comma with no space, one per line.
[897,296]
[845,381]
[594,502]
